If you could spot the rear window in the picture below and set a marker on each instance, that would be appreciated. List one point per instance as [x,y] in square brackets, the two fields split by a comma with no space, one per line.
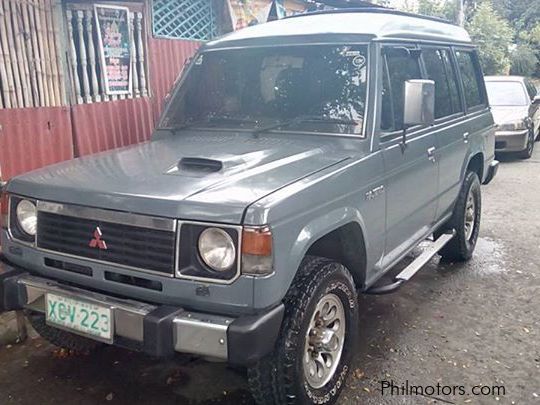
[439,69]
[504,93]
[472,78]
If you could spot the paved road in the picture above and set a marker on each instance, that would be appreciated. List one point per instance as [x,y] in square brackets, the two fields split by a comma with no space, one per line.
[473,324]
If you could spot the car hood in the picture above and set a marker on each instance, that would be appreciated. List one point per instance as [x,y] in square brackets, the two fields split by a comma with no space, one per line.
[504,115]
[205,176]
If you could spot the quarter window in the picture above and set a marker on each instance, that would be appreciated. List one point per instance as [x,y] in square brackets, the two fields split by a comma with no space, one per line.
[471,76]
[531,89]
[439,69]
[400,65]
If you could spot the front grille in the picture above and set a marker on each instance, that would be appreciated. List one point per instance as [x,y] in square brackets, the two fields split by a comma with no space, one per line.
[127,245]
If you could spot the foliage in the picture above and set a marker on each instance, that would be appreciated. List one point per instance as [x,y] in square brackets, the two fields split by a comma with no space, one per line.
[522,14]
[523,61]
[496,26]
[494,36]
[439,8]
[531,39]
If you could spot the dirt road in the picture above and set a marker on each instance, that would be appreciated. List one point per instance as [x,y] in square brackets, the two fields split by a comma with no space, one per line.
[458,326]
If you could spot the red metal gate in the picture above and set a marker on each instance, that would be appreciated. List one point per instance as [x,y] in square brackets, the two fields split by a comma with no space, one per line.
[31,138]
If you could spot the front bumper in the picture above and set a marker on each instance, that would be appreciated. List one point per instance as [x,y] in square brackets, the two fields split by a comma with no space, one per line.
[511,141]
[158,330]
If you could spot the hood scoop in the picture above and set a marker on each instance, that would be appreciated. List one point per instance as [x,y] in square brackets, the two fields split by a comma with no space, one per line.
[194,166]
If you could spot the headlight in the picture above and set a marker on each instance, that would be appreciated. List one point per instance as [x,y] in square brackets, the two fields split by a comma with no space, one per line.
[27,217]
[217,249]
[515,125]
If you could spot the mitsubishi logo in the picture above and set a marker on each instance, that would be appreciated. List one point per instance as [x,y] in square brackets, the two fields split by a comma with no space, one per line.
[96,241]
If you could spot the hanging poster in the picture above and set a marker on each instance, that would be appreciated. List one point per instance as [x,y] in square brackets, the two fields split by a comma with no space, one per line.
[113,30]
[249,12]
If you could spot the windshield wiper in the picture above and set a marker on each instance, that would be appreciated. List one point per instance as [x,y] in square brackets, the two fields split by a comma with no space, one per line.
[234,120]
[306,118]
[329,120]
[211,120]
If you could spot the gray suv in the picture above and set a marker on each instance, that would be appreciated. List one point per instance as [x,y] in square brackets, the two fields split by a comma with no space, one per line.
[296,163]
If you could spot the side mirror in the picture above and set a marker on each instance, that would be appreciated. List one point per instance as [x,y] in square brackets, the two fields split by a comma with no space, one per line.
[419,103]
[536,100]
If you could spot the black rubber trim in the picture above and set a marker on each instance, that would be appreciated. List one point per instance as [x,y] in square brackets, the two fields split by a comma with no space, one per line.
[385,289]
[492,172]
[12,295]
[158,331]
[250,338]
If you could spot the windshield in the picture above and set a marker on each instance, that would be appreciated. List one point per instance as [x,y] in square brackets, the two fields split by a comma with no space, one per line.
[506,94]
[314,88]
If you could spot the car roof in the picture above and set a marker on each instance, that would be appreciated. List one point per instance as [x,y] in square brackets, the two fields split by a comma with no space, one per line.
[504,78]
[370,23]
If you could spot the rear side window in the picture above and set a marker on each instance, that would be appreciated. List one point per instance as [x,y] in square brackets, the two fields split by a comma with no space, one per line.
[531,89]
[472,78]
[399,66]
[440,69]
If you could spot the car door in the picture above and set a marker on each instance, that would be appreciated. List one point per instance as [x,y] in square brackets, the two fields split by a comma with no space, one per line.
[410,167]
[450,127]
[534,111]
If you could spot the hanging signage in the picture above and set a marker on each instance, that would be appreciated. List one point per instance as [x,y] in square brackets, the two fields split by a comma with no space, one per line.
[114,35]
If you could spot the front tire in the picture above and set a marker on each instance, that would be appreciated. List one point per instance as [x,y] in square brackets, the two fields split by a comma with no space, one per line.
[528,152]
[313,353]
[465,221]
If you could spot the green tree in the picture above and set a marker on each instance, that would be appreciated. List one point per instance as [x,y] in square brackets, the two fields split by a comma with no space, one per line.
[523,61]
[522,14]
[494,36]
[531,39]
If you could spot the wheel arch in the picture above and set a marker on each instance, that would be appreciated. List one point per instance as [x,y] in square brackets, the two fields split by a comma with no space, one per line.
[476,164]
[345,244]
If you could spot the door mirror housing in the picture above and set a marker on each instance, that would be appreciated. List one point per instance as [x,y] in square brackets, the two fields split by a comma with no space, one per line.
[419,103]
[536,100]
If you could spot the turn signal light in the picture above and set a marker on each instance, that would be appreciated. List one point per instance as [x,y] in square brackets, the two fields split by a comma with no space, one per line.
[257,251]
[257,241]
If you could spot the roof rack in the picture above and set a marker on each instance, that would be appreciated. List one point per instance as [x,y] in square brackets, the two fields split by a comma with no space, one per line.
[348,3]
[378,10]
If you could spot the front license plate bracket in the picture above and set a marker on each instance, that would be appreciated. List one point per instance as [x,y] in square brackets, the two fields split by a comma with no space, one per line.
[79,316]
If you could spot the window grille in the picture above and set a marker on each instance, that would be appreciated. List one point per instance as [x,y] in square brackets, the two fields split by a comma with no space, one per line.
[87,78]
[184,19]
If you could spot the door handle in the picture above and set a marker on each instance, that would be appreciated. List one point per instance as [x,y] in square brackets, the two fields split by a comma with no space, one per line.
[466,137]
[431,154]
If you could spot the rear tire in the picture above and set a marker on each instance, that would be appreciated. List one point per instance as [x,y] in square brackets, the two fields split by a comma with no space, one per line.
[313,353]
[60,338]
[465,220]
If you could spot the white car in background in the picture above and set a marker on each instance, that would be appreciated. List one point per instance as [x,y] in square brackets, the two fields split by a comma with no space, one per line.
[515,104]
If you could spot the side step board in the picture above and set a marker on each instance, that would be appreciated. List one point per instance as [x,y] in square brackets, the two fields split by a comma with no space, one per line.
[415,266]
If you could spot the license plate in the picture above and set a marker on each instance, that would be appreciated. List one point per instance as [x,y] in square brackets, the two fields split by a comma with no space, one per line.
[81,317]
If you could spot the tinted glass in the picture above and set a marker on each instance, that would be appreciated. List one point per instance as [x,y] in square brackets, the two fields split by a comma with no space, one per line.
[255,87]
[400,66]
[439,69]
[471,77]
[531,88]
[506,94]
